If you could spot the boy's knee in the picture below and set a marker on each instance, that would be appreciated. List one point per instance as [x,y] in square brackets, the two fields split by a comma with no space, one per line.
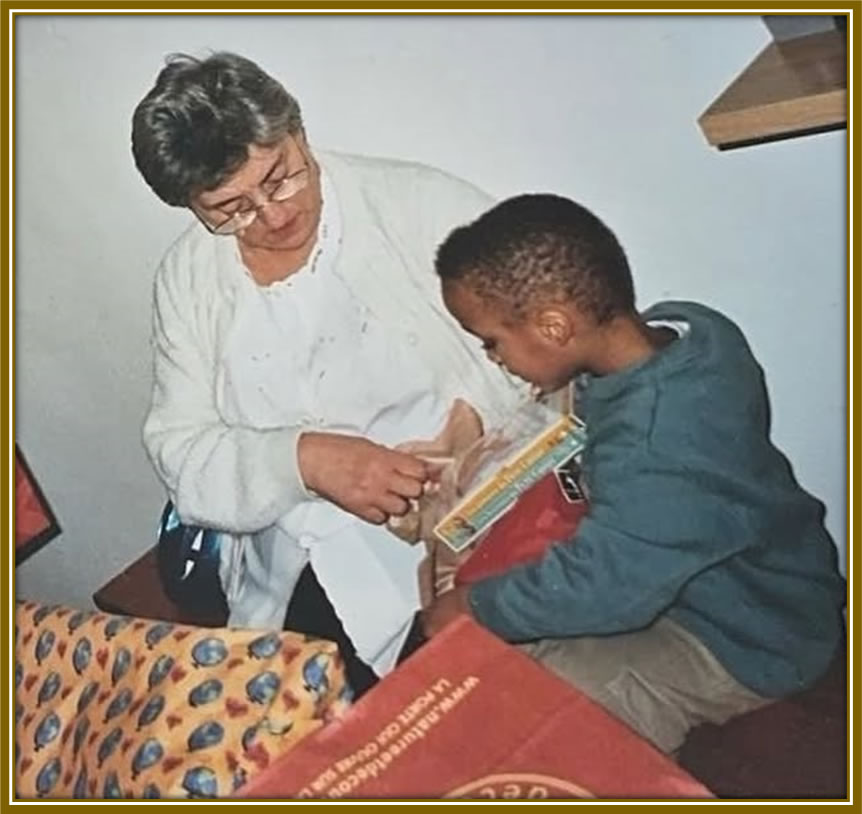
[610,681]
[577,661]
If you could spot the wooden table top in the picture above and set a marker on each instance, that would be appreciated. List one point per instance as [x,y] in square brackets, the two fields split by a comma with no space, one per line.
[138,591]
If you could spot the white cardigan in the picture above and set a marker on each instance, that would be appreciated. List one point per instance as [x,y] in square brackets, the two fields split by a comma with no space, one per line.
[229,461]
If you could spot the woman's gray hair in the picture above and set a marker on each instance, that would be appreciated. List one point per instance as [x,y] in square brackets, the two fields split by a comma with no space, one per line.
[193,129]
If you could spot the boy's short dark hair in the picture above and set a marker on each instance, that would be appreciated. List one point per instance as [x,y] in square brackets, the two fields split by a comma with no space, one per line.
[540,246]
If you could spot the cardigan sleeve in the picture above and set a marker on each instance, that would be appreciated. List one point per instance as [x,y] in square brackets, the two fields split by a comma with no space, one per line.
[230,477]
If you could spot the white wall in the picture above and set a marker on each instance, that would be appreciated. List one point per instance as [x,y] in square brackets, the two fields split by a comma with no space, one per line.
[599,108]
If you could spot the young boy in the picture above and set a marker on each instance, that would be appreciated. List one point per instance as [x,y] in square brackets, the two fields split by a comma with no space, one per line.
[702,582]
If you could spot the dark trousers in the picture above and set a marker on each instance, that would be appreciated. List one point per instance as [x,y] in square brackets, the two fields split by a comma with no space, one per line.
[311,612]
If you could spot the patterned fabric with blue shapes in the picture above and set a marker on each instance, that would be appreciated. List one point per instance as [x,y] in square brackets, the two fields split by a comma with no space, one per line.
[115,707]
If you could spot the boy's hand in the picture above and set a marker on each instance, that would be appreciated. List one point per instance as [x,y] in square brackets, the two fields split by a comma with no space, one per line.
[366,479]
[444,609]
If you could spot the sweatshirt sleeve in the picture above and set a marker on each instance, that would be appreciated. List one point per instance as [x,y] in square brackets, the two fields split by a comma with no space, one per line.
[234,478]
[628,562]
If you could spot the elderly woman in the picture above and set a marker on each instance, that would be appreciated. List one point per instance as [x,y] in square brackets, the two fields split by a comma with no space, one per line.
[298,335]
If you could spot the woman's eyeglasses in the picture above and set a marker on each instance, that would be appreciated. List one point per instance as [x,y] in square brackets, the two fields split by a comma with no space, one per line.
[276,191]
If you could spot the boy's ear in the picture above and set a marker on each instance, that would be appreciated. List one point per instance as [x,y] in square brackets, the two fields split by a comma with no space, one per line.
[554,325]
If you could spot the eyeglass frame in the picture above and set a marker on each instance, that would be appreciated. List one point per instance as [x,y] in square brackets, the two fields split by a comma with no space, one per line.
[241,216]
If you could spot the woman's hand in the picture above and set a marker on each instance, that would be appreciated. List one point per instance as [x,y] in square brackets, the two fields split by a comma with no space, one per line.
[363,478]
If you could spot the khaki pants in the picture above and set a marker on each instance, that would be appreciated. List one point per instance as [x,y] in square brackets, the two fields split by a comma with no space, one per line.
[661,680]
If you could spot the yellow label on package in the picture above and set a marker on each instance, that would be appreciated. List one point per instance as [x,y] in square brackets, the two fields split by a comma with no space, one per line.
[491,499]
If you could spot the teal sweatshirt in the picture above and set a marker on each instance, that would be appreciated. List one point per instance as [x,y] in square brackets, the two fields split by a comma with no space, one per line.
[693,514]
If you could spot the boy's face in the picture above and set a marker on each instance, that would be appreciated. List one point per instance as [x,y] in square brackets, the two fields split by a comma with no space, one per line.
[521,345]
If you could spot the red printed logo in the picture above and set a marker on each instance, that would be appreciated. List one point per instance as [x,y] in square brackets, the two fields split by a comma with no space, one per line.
[519,787]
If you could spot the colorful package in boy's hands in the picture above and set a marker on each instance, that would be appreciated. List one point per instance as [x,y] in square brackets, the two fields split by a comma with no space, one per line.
[546,513]
[500,498]
[503,464]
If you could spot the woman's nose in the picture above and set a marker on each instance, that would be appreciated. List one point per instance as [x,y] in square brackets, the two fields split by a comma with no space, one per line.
[275,214]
